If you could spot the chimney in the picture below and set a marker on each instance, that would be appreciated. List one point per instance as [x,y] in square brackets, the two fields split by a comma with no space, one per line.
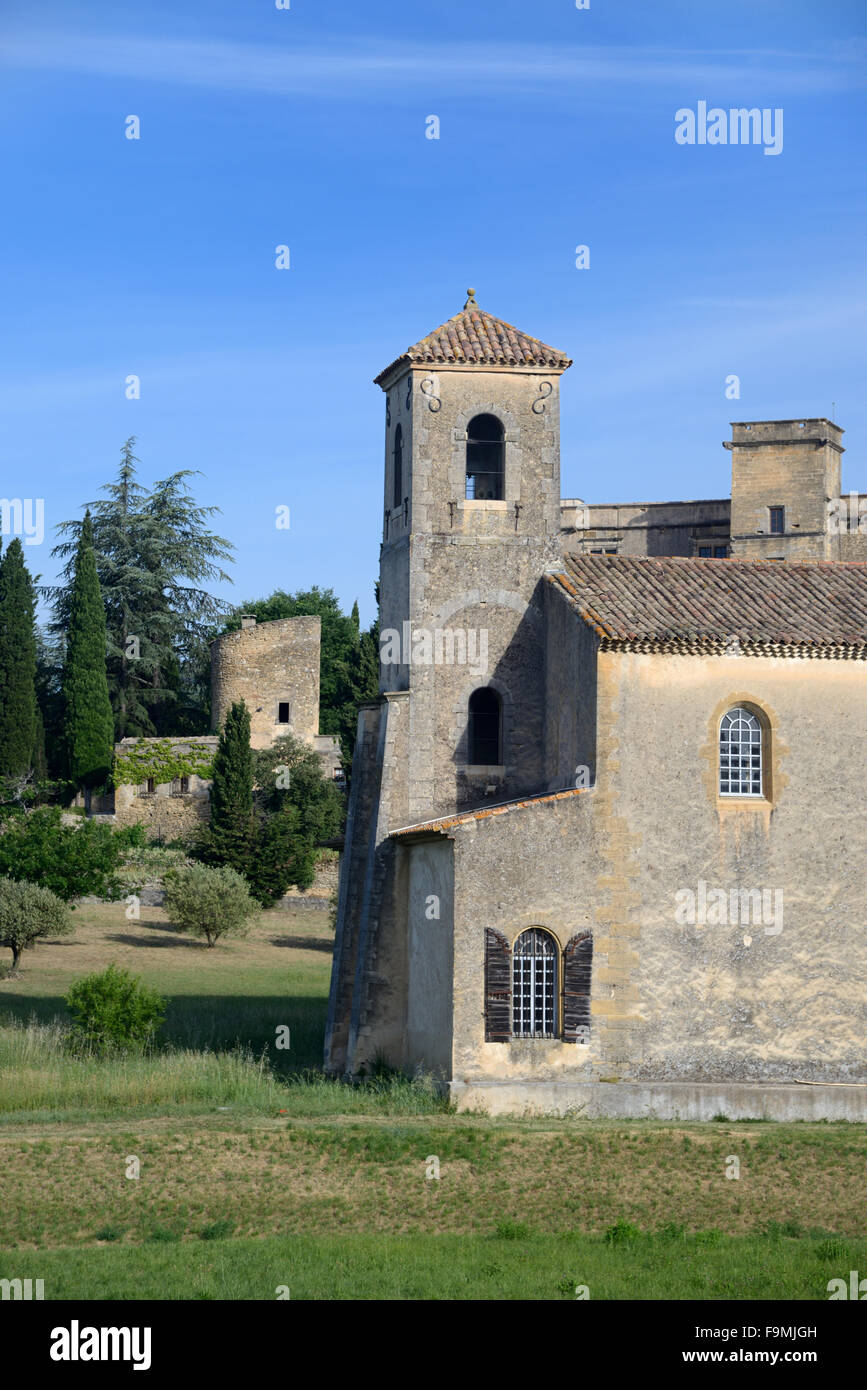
[248,620]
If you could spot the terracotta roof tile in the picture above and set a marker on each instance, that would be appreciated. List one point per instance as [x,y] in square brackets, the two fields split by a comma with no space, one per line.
[797,606]
[485,812]
[479,339]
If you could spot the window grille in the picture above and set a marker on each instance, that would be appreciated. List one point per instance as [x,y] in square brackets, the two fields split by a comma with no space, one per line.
[534,985]
[740,754]
[777,520]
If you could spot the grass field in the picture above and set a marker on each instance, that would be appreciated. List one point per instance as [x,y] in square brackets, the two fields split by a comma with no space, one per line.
[237,992]
[254,1174]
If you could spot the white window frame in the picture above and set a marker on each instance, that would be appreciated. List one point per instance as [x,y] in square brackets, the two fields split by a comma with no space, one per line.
[535,984]
[741,754]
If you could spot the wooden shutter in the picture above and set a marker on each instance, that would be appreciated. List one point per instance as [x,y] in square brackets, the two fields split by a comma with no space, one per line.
[577,972]
[498,987]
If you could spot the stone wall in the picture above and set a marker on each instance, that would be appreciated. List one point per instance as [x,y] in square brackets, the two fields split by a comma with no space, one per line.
[266,665]
[324,885]
[673,1002]
[788,1004]
[168,814]
[645,528]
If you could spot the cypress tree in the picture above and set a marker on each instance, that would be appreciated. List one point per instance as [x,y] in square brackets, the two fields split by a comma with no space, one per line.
[232,822]
[18,708]
[88,723]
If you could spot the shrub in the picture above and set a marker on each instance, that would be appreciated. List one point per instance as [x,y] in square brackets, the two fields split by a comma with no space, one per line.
[131,837]
[108,1233]
[209,901]
[114,1012]
[622,1233]
[72,860]
[27,912]
[218,1230]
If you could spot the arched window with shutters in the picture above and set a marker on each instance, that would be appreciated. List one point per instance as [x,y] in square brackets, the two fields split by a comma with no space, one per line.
[521,986]
[485,458]
[740,754]
[485,728]
[534,985]
[397,495]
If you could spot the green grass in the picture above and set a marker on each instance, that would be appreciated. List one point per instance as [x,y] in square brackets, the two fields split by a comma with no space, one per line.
[40,1082]
[483,1267]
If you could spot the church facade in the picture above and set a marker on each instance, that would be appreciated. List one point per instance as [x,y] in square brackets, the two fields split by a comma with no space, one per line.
[606,848]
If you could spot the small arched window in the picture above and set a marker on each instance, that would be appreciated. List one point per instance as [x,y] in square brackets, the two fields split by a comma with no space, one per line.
[740,754]
[534,985]
[398,468]
[485,728]
[485,452]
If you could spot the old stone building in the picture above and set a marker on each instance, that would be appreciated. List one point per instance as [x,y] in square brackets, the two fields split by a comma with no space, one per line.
[785,504]
[274,668]
[605,848]
[163,784]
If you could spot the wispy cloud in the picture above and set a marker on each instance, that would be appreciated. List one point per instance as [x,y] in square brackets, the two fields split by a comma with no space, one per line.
[381,66]
[674,353]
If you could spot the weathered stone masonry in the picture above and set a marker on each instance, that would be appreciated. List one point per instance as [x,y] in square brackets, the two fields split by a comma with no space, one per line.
[612,674]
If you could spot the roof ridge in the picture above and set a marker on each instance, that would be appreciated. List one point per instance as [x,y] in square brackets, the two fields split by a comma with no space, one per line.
[476,337]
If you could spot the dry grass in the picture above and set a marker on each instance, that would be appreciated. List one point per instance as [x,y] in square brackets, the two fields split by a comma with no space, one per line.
[152,947]
[345,1176]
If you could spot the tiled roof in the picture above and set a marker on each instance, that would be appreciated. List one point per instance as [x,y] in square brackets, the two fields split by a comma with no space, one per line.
[485,812]
[479,339]
[773,607]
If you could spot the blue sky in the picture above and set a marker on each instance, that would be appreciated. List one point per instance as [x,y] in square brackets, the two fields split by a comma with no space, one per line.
[306,127]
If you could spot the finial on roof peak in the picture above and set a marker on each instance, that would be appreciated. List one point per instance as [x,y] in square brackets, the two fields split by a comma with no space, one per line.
[471,300]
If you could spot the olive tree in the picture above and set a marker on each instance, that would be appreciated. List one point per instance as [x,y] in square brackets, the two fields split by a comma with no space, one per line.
[28,912]
[209,901]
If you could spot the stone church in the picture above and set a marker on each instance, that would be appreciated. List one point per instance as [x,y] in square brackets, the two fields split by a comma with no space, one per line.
[606,847]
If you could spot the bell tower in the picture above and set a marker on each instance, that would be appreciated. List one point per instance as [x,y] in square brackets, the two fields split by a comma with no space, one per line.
[471,521]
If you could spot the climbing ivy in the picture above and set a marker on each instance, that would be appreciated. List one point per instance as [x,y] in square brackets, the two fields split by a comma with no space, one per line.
[162,760]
